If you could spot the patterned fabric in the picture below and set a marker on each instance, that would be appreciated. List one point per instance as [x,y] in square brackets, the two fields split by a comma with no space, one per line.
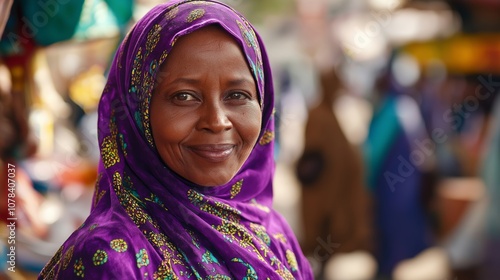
[147,222]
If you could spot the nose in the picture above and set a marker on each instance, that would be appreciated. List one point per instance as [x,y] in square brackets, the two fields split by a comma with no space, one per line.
[213,117]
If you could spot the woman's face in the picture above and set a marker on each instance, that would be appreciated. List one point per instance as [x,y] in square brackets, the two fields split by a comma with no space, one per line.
[205,113]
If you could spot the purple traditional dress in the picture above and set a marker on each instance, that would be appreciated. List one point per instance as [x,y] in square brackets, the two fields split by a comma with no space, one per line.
[146,221]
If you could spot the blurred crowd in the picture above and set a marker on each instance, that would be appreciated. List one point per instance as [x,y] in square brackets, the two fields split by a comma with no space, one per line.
[388,142]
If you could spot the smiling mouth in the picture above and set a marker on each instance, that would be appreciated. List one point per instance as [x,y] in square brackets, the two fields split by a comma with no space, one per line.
[213,153]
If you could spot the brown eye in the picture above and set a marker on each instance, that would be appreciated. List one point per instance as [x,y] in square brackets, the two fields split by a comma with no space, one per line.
[238,96]
[184,96]
[184,99]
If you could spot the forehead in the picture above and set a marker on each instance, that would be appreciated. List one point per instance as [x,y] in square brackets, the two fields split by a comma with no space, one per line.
[211,37]
[207,41]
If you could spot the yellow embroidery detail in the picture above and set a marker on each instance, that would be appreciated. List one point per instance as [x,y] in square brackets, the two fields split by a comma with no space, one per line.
[285,274]
[172,13]
[79,269]
[109,150]
[118,245]
[145,121]
[292,260]
[165,271]
[142,258]
[236,188]
[267,138]
[215,208]
[67,257]
[281,237]
[261,233]
[100,257]
[153,38]
[195,14]
[247,34]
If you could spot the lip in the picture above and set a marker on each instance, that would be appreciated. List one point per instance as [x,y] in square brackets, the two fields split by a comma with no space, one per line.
[213,152]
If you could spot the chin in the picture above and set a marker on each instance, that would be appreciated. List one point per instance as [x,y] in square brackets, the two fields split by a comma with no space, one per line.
[213,183]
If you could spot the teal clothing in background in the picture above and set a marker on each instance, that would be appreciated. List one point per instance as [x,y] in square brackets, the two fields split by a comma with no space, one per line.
[46,22]
[402,229]
[383,129]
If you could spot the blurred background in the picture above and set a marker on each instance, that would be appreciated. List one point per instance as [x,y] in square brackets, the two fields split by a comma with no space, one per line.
[388,128]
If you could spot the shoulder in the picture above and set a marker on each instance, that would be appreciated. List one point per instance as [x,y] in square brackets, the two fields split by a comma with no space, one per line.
[290,252]
[96,252]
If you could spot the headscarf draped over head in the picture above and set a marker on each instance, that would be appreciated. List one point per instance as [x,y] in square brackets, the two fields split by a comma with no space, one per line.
[148,222]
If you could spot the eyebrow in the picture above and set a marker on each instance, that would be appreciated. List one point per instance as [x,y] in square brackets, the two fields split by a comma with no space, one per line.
[232,83]
[242,81]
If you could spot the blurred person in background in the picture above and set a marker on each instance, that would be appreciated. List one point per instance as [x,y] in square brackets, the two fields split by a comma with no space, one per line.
[335,203]
[185,179]
[399,163]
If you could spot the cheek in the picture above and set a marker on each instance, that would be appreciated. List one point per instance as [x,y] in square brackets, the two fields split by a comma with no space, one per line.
[249,125]
[168,126]
[171,129]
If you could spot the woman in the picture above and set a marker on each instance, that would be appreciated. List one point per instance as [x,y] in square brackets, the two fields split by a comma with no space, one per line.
[186,137]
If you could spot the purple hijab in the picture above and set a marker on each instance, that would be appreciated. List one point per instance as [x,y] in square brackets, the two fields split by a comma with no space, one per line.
[146,221]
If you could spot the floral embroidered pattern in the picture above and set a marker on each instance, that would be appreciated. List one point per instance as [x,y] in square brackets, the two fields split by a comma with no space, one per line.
[142,258]
[100,257]
[130,200]
[238,234]
[292,260]
[250,39]
[118,245]
[109,151]
[285,274]
[67,257]
[236,188]
[153,38]
[248,35]
[165,271]
[78,268]
[142,83]
[266,138]
[145,118]
[136,72]
[158,239]
[261,233]
[109,147]
[172,13]
[281,237]
[216,208]
[194,15]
